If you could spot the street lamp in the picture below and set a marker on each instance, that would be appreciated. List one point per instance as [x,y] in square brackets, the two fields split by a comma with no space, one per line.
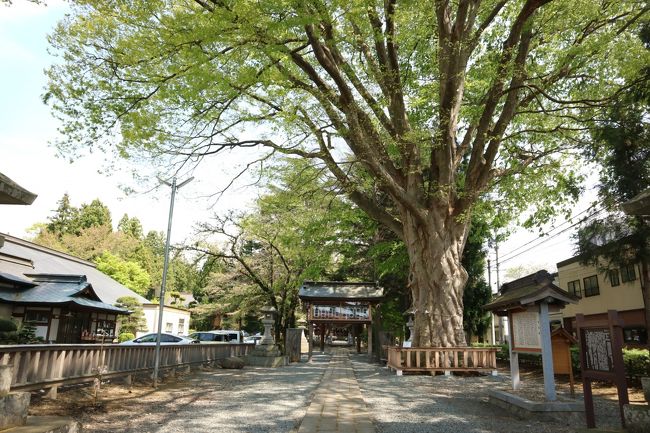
[174,187]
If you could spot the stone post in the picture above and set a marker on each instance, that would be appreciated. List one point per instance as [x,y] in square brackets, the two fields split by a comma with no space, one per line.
[6,374]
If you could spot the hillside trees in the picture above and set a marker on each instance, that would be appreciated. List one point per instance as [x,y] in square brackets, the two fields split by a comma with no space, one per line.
[125,254]
[425,104]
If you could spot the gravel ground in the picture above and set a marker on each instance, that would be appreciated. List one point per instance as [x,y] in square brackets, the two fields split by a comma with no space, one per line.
[419,404]
[260,400]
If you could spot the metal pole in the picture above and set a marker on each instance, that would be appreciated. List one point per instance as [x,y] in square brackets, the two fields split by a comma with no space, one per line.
[164,276]
[492,315]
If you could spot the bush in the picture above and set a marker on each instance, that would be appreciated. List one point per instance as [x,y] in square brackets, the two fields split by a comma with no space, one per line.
[8,325]
[125,336]
[637,363]
[502,355]
[8,331]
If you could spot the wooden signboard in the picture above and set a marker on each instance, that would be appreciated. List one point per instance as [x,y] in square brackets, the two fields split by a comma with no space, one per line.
[525,332]
[601,358]
[561,342]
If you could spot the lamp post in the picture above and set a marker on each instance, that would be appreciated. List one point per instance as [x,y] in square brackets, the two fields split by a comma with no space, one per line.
[174,187]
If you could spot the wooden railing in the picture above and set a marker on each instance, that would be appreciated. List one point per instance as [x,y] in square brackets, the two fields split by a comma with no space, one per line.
[443,359]
[49,365]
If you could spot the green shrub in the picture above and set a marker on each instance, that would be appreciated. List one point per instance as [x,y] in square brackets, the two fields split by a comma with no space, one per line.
[27,333]
[502,355]
[637,363]
[125,336]
[8,325]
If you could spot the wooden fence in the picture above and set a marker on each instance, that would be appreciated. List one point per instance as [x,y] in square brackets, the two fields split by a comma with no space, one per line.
[442,359]
[49,365]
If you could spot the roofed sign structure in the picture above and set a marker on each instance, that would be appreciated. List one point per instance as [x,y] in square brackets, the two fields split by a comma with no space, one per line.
[331,304]
[12,193]
[527,302]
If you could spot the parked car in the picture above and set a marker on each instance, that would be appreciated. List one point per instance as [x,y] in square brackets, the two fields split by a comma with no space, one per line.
[253,339]
[218,336]
[150,339]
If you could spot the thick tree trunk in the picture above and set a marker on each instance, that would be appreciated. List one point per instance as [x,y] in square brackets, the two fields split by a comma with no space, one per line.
[437,280]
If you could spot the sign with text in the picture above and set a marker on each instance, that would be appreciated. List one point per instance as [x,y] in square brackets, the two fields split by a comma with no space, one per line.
[598,349]
[525,332]
[601,358]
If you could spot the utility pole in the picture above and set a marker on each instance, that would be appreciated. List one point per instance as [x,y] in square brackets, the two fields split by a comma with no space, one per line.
[492,313]
[161,308]
[496,251]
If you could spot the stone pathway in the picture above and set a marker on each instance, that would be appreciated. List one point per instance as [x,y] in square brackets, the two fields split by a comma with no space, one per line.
[337,406]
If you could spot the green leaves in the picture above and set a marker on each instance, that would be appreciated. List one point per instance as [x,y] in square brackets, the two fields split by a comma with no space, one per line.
[129,273]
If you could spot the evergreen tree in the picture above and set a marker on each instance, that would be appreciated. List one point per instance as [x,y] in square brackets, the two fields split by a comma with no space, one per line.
[477,292]
[621,147]
[65,219]
[134,322]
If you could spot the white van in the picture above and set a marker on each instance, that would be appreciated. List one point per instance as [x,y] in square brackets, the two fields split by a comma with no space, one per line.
[218,336]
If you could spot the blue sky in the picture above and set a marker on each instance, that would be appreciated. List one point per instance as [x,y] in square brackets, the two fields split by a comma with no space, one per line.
[27,128]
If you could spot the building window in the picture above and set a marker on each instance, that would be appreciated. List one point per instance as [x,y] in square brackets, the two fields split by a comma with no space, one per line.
[37,317]
[638,335]
[181,326]
[169,327]
[628,273]
[591,286]
[574,288]
[613,277]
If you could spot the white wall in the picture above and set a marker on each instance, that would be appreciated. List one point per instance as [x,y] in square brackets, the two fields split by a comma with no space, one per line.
[172,318]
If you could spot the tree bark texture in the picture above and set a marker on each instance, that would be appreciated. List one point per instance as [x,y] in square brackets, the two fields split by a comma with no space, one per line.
[437,279]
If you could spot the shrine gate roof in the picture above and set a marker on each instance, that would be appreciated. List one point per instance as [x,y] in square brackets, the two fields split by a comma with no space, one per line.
[340,291]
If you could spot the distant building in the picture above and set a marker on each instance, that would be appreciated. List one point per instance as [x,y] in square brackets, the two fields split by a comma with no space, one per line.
[618,289]
[66,297]
[175,320]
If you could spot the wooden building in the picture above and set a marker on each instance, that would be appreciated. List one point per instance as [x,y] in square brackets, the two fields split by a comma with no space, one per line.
[337,305]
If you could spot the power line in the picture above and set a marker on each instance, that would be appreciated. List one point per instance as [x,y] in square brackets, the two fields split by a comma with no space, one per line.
[546,234]
[546,239]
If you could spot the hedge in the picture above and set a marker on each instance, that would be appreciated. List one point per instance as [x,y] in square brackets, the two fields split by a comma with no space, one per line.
[637,361]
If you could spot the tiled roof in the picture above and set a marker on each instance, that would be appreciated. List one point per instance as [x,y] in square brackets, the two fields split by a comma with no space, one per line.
[37,259]
[65,291]
[340,290]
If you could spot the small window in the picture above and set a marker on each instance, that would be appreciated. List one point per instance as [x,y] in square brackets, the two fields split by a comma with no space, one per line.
[181,326]
[613,278]
[591,286]
[638,335]
[628,273]
[169,327]
[37,317]
[574,288]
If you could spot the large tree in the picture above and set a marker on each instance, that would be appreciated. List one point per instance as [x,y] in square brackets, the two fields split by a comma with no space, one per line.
[425,104]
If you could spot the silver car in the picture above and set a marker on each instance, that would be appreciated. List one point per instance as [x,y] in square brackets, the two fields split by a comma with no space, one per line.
[151,339]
